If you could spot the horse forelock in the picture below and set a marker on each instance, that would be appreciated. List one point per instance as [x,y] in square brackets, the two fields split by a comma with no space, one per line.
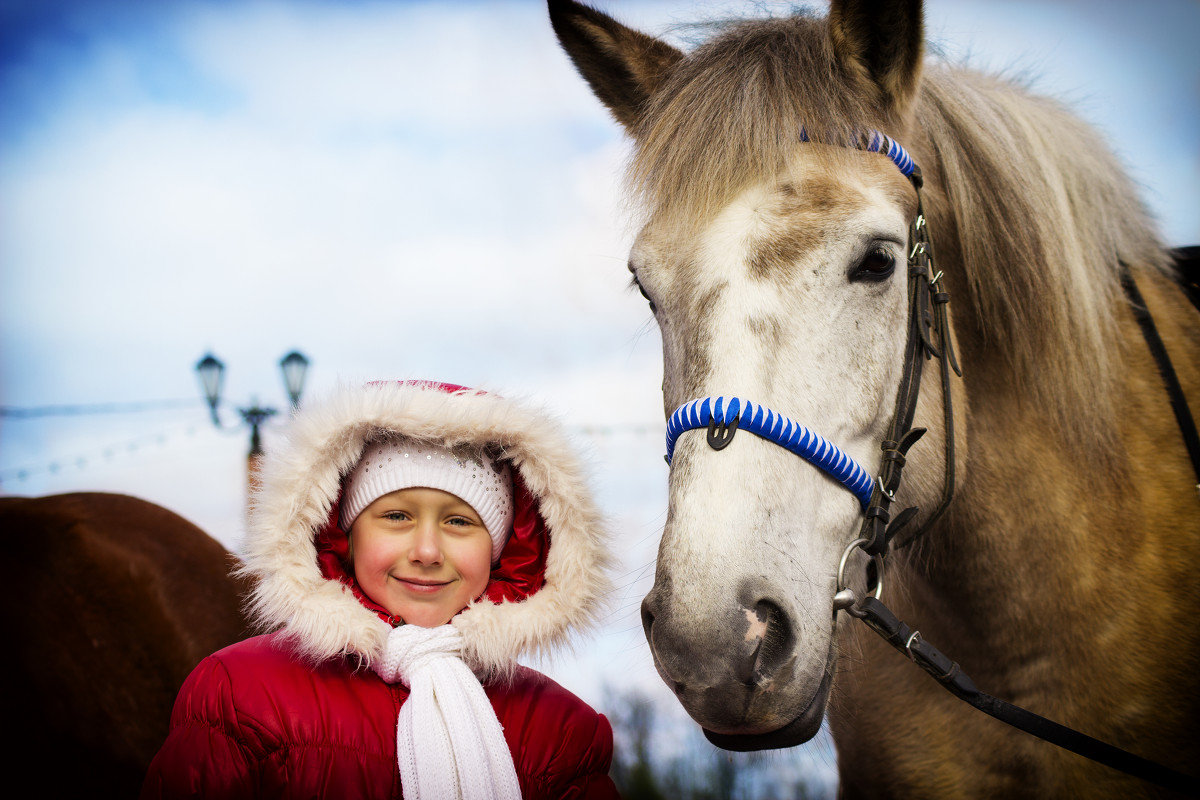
[1031,215]
[732,111]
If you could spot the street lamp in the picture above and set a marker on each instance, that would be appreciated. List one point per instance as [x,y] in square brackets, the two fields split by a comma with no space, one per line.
[212,372]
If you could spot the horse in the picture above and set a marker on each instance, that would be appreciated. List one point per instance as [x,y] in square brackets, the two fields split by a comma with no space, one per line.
[772,167]
[110,601]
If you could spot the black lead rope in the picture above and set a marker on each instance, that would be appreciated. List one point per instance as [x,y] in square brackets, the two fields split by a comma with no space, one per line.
[950,675]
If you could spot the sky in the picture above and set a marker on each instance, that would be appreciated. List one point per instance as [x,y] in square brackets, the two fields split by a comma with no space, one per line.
[400,189]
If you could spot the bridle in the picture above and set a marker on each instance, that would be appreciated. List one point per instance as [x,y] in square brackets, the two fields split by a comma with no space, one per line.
[928,337]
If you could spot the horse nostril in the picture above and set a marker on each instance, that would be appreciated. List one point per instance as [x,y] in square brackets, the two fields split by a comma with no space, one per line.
[775,643]
[647,617]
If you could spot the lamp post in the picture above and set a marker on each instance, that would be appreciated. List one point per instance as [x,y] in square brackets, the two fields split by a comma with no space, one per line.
[211,371]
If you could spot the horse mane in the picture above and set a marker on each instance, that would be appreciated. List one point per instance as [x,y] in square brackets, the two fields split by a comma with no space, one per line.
[1031,216]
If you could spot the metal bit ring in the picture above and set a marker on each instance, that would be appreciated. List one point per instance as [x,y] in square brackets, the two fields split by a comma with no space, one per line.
[841,573]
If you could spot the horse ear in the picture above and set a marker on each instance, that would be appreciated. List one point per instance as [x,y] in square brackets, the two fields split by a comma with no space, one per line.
[881,41]
[624,67]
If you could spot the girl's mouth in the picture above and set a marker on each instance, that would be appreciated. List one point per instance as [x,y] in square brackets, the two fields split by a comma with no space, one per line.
[422,585]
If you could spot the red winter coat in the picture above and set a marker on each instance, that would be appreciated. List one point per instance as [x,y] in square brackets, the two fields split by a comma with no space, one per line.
[264,724]
[299,712]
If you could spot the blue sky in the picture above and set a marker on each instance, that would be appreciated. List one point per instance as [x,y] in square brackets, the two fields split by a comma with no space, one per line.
[399,189]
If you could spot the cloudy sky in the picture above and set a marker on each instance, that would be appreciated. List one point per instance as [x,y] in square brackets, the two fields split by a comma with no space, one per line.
[398,189]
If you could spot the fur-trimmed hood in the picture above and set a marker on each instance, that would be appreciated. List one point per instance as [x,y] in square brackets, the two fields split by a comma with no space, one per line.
[552,575]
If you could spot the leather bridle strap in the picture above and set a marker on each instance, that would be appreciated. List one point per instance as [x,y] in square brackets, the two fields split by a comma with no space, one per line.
[1183,415]
[927,303]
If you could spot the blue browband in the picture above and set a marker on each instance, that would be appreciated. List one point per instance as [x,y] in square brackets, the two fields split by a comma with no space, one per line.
[723,416]
[882,143]
[734,412]
[876,142]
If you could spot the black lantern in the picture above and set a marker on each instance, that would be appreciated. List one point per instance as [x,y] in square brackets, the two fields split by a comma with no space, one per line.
[212,374]
[294,366]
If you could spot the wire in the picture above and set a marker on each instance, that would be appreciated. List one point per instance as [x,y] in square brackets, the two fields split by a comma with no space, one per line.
[617,429]
[15,412]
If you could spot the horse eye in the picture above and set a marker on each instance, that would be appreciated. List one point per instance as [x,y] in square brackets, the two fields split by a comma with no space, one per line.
[876,266]
[642,292]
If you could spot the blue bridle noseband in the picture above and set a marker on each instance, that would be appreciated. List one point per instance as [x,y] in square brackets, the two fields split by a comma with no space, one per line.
[724,415]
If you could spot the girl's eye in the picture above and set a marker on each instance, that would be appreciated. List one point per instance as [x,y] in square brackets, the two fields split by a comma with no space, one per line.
[875,266]
[396,516]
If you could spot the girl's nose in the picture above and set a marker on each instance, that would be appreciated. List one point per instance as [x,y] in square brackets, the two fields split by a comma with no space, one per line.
[426,545]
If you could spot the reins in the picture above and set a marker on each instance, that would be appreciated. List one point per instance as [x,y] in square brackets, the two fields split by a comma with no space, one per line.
[928,337]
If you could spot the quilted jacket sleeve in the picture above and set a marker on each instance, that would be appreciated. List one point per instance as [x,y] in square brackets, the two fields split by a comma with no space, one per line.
[205,754]
[561,747]
[585,777]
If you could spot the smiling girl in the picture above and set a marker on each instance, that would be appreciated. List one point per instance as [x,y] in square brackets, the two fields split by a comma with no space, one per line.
[409,542]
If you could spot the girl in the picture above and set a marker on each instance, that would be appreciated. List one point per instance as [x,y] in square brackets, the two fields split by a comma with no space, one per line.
[408,543]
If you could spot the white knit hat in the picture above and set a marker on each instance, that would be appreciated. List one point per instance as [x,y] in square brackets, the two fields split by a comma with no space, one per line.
[401,462]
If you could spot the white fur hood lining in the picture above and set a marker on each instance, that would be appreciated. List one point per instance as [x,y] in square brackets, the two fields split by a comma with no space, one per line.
[301,481]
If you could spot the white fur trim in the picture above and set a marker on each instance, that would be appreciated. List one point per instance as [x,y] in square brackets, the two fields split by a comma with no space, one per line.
[301,478]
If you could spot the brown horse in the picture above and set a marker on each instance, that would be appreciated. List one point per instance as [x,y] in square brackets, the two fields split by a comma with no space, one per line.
[1063,575]
[109,602]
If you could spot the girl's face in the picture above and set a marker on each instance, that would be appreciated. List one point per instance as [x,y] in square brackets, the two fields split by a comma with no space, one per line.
[422,554]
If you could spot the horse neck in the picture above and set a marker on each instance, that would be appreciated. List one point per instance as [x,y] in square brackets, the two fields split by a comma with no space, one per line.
[1047,527]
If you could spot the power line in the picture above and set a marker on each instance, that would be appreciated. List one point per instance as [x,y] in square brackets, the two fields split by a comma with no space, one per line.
[16,412]
[634,428]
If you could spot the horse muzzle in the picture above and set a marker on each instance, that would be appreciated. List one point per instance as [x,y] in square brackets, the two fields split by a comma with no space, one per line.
[737,671]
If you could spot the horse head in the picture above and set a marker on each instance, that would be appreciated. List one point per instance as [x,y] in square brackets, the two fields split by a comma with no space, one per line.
[773,258]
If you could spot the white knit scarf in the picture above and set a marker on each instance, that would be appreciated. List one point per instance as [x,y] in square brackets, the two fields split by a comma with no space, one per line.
[449,744]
